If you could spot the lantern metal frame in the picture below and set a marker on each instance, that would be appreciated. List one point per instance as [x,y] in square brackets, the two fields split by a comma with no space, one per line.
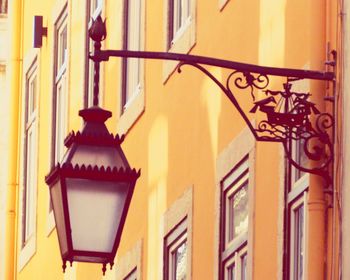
[93,134]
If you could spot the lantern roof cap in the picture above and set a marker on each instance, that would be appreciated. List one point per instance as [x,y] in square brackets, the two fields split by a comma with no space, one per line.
[93,172]
[88,137]
[95,114]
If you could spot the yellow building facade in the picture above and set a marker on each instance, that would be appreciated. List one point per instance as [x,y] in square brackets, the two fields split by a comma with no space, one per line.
[211,202]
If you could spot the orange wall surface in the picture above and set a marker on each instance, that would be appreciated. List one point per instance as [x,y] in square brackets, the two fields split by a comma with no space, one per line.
[187,122]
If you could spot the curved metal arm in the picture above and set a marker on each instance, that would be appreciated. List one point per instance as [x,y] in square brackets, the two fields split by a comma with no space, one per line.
[104,55]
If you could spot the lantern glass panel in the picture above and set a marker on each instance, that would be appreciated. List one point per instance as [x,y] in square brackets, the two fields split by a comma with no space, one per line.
[95,210]
[97,155]
[57,203]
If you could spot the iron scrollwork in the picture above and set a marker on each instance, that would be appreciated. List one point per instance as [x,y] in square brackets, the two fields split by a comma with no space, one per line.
[287,119]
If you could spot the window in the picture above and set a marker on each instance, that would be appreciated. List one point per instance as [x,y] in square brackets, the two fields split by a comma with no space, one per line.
[29,155]
[131,67]
[235,208]
[179,18]
[60,97]
[234,222]
[175,253]
[180,30]
[30,151]
[3,6]
[132,94]
[93,10]
[297,244]
[297,210]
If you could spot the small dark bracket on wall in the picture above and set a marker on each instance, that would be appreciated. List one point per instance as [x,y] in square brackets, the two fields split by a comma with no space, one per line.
[38,31]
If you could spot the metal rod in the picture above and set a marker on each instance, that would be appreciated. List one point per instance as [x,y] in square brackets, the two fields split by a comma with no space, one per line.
[97,46]
[188,58]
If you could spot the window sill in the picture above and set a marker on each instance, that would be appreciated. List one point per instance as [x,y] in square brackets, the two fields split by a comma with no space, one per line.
[27,252]
[299,187]
[222,4]
[129,262]
[183,42]
[134,109]
[50,224]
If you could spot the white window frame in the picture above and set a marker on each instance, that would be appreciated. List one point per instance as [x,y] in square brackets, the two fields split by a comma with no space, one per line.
[60,90]
[29,170]
[235,260]
[132,91]
[132,41]
[60,105]
[297,195]
[172,242]
[243,172]
[184,38]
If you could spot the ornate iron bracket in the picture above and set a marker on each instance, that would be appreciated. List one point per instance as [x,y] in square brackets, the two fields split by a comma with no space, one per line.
[289,115]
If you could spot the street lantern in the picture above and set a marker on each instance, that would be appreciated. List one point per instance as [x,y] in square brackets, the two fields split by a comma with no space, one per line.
[92,187]
[91,190]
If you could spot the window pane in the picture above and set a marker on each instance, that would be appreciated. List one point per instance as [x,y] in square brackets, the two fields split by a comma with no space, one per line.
[132,37]
[179,12]
[60,120]
[238,212]
[299,243]
[32,95]
[231,272]
[94,10]
[94,5]
[62,47]
[244,267]
[175,257]
[180,257]
[28,185]
[300,158]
